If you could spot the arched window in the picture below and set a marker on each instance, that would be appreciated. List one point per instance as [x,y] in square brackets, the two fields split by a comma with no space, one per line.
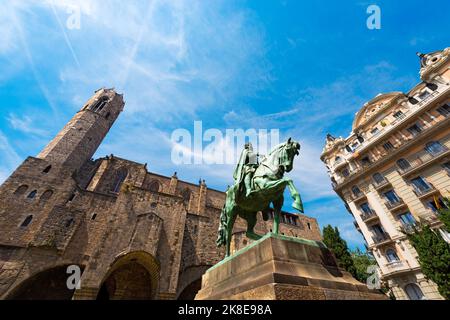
[47,169]
[413,291]
[27,221]
[100,104]
[434,147]
[69,222]
[46,195]
[356,191]
[403,164]
[186,194]
[391,255]
[378,178]
[154,186]
[337,160]
[121,175]
[21,190]
[32,194]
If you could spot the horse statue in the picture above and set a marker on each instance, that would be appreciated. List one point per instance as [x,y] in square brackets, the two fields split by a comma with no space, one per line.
[257,185]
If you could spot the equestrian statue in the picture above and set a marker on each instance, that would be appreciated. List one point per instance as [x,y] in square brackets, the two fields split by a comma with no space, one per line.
[256,186]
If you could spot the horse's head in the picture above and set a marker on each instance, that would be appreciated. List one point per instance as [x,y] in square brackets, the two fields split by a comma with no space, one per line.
[289,150]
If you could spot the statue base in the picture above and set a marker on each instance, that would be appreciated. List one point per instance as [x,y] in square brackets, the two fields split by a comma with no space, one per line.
[277,267]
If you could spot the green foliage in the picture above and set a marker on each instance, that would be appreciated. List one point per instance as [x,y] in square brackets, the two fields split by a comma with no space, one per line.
[444,213]
[434,257]
[361,261]
[338,246]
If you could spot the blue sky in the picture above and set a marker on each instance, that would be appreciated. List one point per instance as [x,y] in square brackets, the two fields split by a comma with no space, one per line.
[304,67]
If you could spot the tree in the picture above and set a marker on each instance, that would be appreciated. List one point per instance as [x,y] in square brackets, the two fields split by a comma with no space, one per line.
[338,246]
[434,256]
[361,261]
[444,213]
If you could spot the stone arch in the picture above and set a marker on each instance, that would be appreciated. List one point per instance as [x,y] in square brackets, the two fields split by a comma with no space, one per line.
[48,283]
[21,190]
[132,276]
[154,186]
[190,282]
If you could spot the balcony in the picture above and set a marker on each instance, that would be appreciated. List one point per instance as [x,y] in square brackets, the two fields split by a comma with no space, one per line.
[357,197]
[381,184]
[408,228]
[424,159]
[381,238]
[368,216]
[395,204]
[421,193]
[396,266]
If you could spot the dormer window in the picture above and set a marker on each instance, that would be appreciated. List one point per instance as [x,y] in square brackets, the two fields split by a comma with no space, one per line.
[424,95]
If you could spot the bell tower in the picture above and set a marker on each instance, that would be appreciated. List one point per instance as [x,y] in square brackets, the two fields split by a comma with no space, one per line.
[82,135]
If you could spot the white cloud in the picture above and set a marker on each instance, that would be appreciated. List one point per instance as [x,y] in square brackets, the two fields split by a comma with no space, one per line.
[25,124]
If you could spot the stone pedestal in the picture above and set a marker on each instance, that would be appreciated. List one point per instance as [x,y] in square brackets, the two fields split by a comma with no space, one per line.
[282,268]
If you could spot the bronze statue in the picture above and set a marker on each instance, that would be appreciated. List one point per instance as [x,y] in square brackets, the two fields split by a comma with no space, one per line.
[257,185]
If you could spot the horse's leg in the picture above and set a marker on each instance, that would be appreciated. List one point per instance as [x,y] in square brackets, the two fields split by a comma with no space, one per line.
[277,205]
[232,219]
[298,204]
[251,222]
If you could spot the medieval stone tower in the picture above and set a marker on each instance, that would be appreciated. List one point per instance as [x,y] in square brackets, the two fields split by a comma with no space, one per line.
[131,233]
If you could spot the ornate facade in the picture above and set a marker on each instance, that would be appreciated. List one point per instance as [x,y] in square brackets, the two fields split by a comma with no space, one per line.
[132,233]
[393,170]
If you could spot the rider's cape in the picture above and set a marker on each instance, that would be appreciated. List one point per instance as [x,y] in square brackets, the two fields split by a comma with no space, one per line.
[239,172]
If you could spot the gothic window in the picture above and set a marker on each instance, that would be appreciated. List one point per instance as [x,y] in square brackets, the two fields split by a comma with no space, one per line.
[32,194]
[46,195]
[100,104]
[27,221]
[120,178]
[186,194]
[47,170]
[154,186]
[21,190]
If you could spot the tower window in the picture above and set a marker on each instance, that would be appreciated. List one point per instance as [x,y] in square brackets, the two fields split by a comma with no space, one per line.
[47,170]
[21,190]
[69,223]
[27,221]
[100,104]
[120,178]
[46,195]
[94,216]
[309,225]
[32,194]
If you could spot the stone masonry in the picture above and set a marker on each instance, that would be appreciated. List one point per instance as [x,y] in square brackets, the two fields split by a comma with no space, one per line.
[133,234]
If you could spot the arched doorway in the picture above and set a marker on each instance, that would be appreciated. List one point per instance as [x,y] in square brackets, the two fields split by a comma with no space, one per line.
[50,284]
[133,276]
[414,292]
[191,290]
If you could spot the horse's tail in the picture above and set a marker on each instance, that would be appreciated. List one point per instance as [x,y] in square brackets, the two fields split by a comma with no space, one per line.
[222,236]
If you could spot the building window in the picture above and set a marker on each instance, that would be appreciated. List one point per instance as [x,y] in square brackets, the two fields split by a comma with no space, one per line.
[436,204]
[47,170]
[446,166]
[186,194]
[374,131]
[391,196]
[366,208]
[424,95]
[345,173]
[420,184]
[415,129]
[100,104]
[94,216]
[378,178]
[399,115]
[391,255]
[27,221]
[46,195]
[413,292]
[309,225]
[388,146]
[434,148]
[403,164]
[337,160]
[444,110]
[365,161]
[356,191]
[21,190]
[121,175]
[154,186]
[69,222]
[378,232]
[32,194]
[407,219]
